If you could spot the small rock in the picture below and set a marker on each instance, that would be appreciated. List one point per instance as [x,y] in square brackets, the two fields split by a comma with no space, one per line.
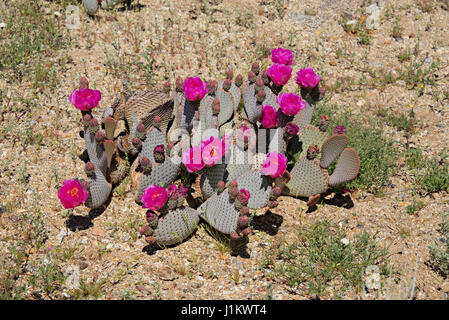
[83,265]
[310,12]
[145,290]
[64,232]
[166,274]
[73,279]
[2,25]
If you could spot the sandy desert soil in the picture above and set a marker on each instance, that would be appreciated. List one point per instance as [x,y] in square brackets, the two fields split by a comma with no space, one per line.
[44,256]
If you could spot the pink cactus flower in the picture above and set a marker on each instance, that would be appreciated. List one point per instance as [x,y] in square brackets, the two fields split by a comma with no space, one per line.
[192,159]
[292,129]
[213,152]
[72,194]
[194,88]
[154,197]
[274,165]
[205,142]
[339,129]
[279,74]
[246,193]
[85,99]
[269,116]
[244,133]
[159,148]
[290,103]
[183,190]
[282,56]
[307,78]
[172,189]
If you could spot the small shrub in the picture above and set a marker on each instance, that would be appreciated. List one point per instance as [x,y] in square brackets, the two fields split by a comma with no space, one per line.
[439,250]
[318,256]
[378,155]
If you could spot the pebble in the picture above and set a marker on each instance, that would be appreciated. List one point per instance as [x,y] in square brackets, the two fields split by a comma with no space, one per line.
[73,279]
[310,12]
[2,25]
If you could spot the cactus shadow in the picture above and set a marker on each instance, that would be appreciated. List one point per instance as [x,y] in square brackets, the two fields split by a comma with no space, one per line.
[269,222]
[151,249]
[76,222]
[128,5]
[339,200]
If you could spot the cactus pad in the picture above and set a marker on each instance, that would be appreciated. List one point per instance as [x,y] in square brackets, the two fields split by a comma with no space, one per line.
[307,178]
[99,190]
[331,148]
[259,187]
[176,226]
[348,166]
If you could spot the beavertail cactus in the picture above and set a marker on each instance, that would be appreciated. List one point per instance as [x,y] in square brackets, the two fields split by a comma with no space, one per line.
[243,162]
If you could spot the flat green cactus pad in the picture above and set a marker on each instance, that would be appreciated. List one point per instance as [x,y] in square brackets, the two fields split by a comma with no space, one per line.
[176,226]
[307,178]
[220,212]
[259,187]
[99,190]
[331,149]
[348,166]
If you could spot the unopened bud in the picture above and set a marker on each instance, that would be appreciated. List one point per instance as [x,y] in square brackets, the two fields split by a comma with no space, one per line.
[86,119]
[221,186]
[229,74]
[179,84]
[239,80]
[252,77]
[146,165]
[227,84]
[89,168]
[260,96]
[255,68]
[137,143]
[259,85]
[99,137]
[265,78]
[140,131]
[166,87]
[93,126]
[312,152]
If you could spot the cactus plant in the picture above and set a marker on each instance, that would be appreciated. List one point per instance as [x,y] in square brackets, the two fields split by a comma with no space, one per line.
[183,133]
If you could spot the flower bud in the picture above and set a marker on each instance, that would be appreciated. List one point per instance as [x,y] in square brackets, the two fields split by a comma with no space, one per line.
[239,80]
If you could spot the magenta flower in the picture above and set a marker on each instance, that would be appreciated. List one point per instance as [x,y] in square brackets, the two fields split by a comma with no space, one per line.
[290,103]
[279,74]
[244,133]
[340,129]
[246,193]
[213,152]
[307,78]
[172,189]
[205,142]
[194,88]
[269,116]
[274,165]
[282,56]
[159,148]
[154,197]
[292,129]
[85,99]
[72,194]
[183,190]
[192,159]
